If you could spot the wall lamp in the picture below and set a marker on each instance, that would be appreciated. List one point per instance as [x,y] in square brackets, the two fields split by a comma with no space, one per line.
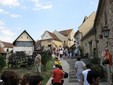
[105,31]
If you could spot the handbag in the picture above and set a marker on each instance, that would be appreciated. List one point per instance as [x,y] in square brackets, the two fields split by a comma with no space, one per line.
[65,75]
[105,61]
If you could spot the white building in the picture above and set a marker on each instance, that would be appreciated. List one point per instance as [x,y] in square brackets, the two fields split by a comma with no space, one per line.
[25,43]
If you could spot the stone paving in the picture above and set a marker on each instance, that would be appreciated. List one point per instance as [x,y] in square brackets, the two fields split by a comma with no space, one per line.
[68,66]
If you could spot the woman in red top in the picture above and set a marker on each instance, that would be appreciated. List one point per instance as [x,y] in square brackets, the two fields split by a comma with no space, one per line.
[57,75]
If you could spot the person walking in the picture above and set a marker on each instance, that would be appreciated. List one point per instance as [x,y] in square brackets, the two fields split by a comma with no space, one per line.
[57,62]
[60,67]
[70,53]
[61,53]
[37,63]
[57,75]
[84,73]
[93,77]
[79,67]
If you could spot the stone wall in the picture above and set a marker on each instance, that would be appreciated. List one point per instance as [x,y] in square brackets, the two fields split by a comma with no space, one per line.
[104,18]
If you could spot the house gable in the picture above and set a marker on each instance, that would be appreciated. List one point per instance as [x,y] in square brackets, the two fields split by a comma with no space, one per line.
[46,35]
[24,36]
[49,35]
[87,25]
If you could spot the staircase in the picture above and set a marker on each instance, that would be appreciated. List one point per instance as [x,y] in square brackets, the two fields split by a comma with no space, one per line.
[72,74]
[72,77]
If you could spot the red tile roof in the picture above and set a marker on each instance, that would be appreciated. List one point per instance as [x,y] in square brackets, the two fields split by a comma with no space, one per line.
[53,36]
[65,32]
[7,44]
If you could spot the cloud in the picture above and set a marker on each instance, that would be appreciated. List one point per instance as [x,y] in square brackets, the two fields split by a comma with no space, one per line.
[15,15]
[38,5]
[10,3]
[5,33]
[2,11]
[2,23]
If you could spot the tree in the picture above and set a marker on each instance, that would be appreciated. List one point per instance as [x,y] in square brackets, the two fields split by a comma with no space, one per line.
[2,62]
[45,58]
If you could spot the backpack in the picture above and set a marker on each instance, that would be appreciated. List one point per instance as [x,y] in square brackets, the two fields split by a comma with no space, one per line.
[65,75]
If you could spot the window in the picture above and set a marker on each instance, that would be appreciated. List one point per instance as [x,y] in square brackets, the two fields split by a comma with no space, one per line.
[24,43]
[49,45]
[64,42]
[48,40]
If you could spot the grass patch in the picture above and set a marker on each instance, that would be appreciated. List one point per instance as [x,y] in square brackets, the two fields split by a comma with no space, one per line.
[45,74]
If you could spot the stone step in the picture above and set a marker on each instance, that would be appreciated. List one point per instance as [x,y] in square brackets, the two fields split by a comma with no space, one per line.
[73,80]
[72,71]
[72,77]
[72,65]
[72,74]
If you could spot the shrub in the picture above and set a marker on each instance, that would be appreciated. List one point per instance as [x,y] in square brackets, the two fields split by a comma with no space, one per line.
[45,58]
[95,60]
[2,62]
[99,69]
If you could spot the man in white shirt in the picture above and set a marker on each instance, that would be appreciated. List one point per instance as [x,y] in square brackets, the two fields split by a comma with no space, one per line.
[84,73]
[61,53]
[79,67]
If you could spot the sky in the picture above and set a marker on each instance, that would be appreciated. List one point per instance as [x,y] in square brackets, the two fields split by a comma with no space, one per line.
[37,16]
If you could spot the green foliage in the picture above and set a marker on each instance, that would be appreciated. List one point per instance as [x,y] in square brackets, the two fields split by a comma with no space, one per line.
[45,58]
[95,60]
[47,74]
[2,62]
[99,69]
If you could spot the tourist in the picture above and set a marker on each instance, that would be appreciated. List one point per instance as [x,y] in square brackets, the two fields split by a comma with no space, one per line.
[84,73]
[35,80]
[57,75]
[10,77]
[57,62]
[60,67]
[37,63]
[93,78]
[25,79]
[61,53]
[79,67]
